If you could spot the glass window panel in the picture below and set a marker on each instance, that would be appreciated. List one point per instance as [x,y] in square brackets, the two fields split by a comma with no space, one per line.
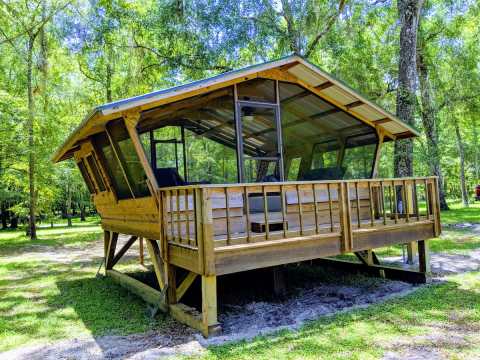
[210,161]
[86,176]
[113,169]
[315,128]
[96,173]
[257,170]
[210,136]
[294,168]
[359,159]
[262,90]
[129,158]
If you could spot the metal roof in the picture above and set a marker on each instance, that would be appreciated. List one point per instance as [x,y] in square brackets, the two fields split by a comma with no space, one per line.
[331,89]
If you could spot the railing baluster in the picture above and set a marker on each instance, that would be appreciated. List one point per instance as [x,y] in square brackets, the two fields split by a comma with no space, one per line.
[427,199]
[172,223]
[265,213]
[284,210]
[179,220]
[358,204]
[405,199]
[227,213]
[330,207]
[382,193]
[370,203]
[247,211]
[416,199]
[187,216]
[315,208]
[300,210]
[395,200]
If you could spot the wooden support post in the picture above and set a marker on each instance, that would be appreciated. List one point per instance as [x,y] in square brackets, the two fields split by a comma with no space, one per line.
[123,250]
[157,262]
[112,244]
[345,217]
[172,285]
[423,257]
[141,251]
[279,285]
[411,252]
[185,285]
[209,305]
[207,238]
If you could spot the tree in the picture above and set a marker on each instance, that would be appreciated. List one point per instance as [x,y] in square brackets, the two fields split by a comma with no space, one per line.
[408,11]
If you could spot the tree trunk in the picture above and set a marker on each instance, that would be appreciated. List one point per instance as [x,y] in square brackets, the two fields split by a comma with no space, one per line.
[429,119]
[408,11]
[32,231]
[475,149]
[14,222]
[461,153]
[4,216]
[82,213]
[68,208]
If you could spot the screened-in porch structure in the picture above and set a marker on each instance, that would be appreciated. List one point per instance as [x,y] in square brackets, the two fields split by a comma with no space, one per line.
[255,168]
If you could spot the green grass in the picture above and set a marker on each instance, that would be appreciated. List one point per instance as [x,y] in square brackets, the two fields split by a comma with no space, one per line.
[369,333]
[44,300]
[459,214]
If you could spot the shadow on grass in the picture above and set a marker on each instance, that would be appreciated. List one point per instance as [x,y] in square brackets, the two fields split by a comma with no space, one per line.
[370,332]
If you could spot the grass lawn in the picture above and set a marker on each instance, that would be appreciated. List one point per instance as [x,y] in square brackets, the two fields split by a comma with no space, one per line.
[44,298]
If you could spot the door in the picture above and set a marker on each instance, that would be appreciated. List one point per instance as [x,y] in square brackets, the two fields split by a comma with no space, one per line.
[260,143]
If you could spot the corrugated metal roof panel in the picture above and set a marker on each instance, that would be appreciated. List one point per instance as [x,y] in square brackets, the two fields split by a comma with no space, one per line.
[307,75]
[339,95]
[368,112]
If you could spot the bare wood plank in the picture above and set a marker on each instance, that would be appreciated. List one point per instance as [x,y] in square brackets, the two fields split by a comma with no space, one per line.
[157,262]
[112,244]
[209,302]
[227,210]
[370,203]
[300,209]
[187,214]
[185,285]
[358,205]
[265,213]
[123,250]
[315,207]
[179,220]
[147,293]
[330,211]
[247,212]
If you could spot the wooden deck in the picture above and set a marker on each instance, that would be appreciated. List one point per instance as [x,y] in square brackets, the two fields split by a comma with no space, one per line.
[212,229]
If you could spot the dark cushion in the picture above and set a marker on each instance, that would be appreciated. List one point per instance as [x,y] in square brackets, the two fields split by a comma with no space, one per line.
[168,177]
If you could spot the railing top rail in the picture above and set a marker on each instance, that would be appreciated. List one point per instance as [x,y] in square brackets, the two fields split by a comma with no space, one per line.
[236,185]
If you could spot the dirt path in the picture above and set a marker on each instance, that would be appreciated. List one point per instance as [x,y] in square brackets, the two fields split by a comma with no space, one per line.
[251,319]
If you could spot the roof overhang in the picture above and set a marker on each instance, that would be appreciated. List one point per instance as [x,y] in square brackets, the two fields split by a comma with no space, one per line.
[295,67]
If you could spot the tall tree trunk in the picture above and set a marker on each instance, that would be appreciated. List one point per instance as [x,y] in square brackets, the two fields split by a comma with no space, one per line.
[68,207]
[4,215]
[429,119]
[475,149]
[32,230]
[461,153]
[408,11]
[82,212]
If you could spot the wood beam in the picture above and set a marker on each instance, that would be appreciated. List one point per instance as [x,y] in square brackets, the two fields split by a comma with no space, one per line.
[112,244]
[123,250]
[185,285]
[157,262]
[209,304]
[147,293]
[424,257]
[382,121]
[354,104]
[324,85]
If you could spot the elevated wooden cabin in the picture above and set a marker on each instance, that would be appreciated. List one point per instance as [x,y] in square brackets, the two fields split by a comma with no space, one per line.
[271,164]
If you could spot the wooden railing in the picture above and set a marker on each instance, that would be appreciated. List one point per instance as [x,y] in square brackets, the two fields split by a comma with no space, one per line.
[200,216]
